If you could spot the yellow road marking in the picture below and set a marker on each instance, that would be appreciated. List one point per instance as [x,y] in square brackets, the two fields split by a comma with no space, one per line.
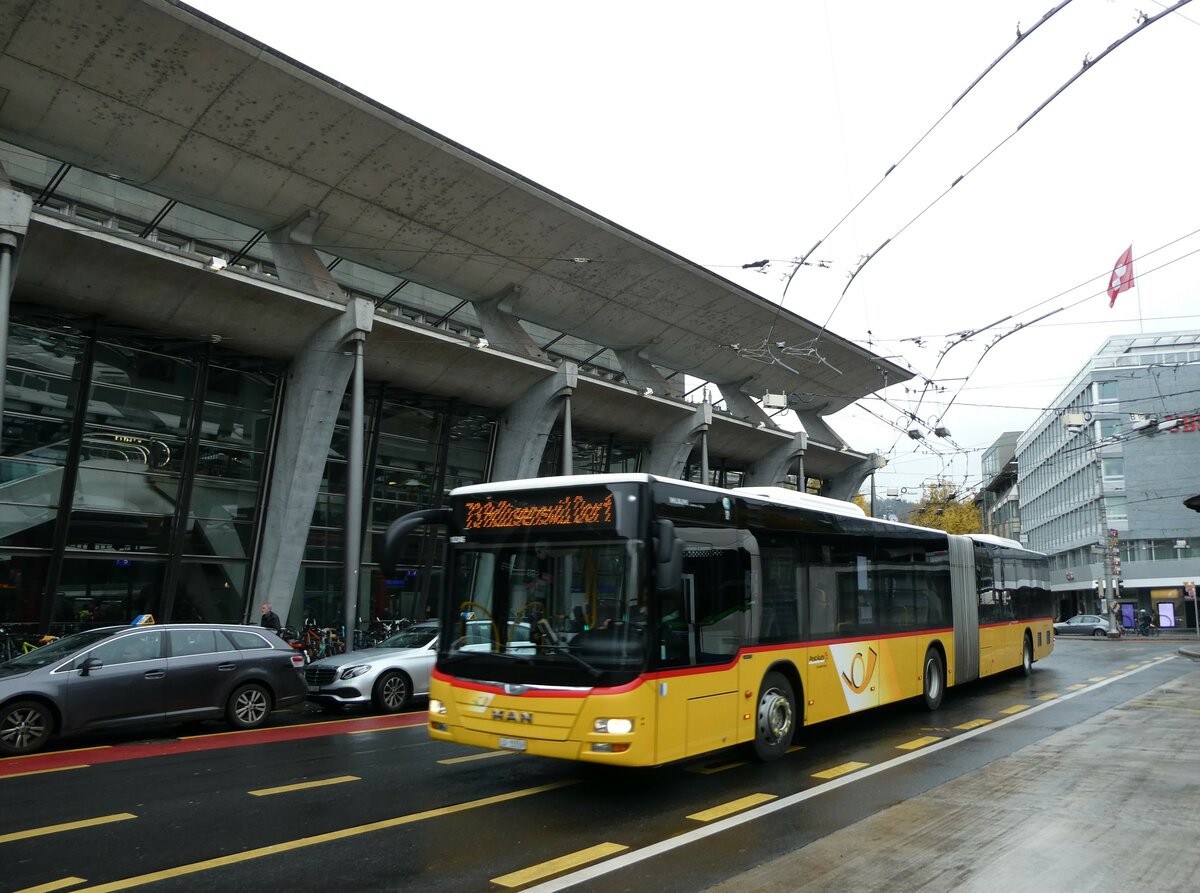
[559,865]
[717,812]
[1015,708]
[1133,666]
[1097,678]
[42,771]
[1076,686]
[918,742]
[60,884]
[840,770]
[66,826]
[1049,696]
[795,747]
[322,722]
[476,756]
[710,769]
[286,846]
[303,786]
[972,724]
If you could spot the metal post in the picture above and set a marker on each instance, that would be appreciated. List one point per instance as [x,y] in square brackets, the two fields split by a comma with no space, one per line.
[704,456]
[7,248]
[354,498]
[568,458]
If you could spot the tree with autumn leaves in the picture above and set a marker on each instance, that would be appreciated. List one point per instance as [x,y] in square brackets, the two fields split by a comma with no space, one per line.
[941,508]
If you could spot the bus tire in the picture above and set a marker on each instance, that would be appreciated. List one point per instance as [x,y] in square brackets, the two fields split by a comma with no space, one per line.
[775,718]
[933,677]
[1027,656]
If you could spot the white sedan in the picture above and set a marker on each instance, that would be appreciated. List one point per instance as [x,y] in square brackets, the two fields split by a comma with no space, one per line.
[388,676]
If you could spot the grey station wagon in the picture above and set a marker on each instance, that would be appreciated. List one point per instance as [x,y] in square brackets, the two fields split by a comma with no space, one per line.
[120,676]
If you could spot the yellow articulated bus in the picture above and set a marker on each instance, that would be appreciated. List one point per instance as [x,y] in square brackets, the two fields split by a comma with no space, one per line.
[636,620]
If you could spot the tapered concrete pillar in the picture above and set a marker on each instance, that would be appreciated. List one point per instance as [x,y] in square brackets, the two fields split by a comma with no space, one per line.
[772,469]
[843,486]
[669,451]
[526,425]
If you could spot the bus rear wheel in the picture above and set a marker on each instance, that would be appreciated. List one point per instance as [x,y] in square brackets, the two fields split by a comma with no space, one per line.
[1027,656]
[934,676]
[775,719]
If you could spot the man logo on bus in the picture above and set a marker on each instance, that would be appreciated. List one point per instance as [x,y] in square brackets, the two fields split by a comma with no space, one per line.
[861,671]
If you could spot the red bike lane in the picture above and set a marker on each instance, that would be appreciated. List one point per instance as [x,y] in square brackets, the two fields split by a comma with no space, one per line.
[81,757]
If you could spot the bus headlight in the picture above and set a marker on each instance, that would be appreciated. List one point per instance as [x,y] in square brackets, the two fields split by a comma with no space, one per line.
[436,706]
[613,726]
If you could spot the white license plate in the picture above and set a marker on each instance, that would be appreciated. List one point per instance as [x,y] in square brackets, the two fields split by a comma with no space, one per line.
[512,743]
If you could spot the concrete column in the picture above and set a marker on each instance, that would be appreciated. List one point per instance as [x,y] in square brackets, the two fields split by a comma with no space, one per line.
[669,451]
[526,425]
[641,374]
[297,262]
[772,469]
[742,406]
[316,384]
[15,210]
[843,486]
[501,327]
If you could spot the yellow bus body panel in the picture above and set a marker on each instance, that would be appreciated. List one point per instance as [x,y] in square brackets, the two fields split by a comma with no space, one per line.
[680,714]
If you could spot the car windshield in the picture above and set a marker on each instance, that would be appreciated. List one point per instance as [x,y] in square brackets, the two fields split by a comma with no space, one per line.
[413,637]
[571,609]
[56,650]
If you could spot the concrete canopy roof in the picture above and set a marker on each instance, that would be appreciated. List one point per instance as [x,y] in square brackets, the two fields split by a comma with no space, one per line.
[183,106]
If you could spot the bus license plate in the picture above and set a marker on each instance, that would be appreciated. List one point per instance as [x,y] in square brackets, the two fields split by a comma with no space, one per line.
[512,743]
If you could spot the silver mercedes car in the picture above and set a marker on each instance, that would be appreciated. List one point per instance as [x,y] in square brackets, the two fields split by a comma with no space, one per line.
[387,676]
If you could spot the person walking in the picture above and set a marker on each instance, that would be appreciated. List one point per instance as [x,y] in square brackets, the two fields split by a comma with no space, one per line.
[270,619]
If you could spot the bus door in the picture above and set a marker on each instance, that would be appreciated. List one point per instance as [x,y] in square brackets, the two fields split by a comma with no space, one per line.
[702,632]
[843,663]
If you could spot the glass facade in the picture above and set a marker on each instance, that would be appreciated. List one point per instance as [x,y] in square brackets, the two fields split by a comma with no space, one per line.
[418,450]
[130,476]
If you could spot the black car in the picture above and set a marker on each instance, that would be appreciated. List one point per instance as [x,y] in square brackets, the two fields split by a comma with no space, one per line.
[120,676]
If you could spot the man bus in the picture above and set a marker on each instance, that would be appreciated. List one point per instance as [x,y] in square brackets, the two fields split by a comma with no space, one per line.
[637,620]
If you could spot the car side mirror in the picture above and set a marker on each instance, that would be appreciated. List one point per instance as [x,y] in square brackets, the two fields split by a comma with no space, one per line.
[92,663]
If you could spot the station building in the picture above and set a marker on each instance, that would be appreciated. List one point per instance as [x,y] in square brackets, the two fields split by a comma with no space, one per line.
[250,316]
[1104,474]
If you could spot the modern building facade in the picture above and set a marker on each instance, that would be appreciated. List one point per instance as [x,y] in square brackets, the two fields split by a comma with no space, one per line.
[998,498]
[1104,473]
[249,317]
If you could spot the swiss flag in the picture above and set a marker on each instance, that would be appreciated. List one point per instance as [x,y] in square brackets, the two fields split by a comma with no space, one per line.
[1122,276]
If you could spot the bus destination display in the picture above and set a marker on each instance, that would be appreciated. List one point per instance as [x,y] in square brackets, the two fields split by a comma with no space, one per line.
[557,511]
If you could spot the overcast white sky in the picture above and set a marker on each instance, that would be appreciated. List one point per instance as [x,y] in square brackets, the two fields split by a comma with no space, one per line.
[730,133]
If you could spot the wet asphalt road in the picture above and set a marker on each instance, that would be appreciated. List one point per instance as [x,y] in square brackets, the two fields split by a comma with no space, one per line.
[372,804]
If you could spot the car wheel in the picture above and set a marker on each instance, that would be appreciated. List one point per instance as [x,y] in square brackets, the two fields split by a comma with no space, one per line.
[249,706]
[1027,656]
[775,722]
[392,692]
[934,679]
[1099,633]
[25,726]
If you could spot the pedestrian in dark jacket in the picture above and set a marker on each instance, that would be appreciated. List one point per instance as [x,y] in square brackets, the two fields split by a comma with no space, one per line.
[270,619]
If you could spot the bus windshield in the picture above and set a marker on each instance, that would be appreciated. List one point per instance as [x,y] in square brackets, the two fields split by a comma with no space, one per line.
[565,613]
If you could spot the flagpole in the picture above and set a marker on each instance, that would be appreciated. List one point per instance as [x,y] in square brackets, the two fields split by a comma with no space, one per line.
[1138,289]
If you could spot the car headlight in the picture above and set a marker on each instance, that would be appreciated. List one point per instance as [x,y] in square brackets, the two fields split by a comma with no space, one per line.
[613,726]
[356,670]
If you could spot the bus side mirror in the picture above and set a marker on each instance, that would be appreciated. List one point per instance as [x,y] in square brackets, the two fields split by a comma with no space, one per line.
[402,527]
[668,558]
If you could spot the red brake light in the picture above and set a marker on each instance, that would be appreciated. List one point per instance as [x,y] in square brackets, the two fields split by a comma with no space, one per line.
[298,661]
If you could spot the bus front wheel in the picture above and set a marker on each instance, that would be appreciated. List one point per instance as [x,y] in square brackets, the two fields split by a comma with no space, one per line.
[775,721]
[934,676]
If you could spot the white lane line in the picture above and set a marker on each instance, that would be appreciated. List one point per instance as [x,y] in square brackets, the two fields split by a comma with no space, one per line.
[633,857]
